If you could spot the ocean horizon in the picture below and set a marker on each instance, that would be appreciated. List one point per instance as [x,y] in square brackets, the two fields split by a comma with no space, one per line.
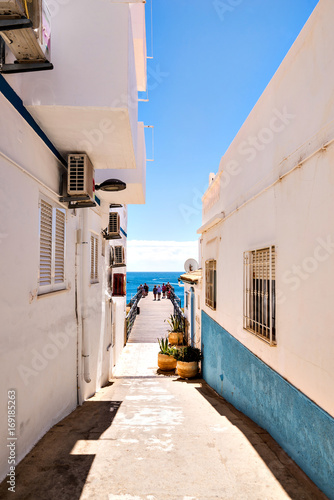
[135,279]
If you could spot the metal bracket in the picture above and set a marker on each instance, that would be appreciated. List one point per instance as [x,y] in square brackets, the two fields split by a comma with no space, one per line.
[15,24]
[81,204]
[25,67]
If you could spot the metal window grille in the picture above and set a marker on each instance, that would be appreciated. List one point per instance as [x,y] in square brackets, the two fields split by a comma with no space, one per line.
[94,277]
[210,283]
[259,293]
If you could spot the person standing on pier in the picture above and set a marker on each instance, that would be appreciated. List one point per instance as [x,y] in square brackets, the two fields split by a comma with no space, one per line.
[164,291]
[155,292]
[146,288]
[159,292]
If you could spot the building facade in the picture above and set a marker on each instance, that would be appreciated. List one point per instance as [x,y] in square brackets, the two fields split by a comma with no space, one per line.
[267,246]
[63,255]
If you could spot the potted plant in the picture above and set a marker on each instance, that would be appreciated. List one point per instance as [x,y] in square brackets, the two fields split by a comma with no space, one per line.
[187,361]
[176,331]
[166,359]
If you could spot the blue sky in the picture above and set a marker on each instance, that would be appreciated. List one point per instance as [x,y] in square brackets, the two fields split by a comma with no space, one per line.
[212,61]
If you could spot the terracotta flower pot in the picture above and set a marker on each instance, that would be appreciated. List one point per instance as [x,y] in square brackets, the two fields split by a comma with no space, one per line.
[187,369]
[175,338]
[166,363]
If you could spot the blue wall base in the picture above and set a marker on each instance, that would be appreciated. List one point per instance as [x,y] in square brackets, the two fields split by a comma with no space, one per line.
[303,429]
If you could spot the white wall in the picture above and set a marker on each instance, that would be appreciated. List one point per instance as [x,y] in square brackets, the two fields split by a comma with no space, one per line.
[39,333]
[293,214]
[296,105]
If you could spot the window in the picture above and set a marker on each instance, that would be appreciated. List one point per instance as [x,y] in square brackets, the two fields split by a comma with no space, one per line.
[210,283]
[52,247]
[94,253]
[187,300]
[259,293]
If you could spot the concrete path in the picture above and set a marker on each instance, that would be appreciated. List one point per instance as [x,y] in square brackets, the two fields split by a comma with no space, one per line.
[150,323]
[158,438]
[152,437]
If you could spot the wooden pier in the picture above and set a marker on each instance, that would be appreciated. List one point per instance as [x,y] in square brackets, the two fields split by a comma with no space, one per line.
[150,324]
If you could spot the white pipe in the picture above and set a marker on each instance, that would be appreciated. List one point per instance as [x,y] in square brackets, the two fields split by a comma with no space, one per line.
[298,165]
[53,195]
[84,288]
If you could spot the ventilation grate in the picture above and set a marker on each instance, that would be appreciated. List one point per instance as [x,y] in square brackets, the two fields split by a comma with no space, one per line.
[113,223]
[77,174]
[119,255]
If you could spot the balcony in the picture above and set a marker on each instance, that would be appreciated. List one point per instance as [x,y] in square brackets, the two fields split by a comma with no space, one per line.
[89,103]
[135,179]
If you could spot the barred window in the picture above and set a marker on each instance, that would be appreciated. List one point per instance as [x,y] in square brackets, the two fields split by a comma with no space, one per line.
[210,283]
[94,276]
[52,221]
[259,293]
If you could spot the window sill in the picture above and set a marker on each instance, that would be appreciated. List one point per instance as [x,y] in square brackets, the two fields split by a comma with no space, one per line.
[264,339]
[40,295]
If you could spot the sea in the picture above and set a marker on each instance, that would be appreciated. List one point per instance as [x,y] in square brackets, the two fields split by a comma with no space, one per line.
[136,279]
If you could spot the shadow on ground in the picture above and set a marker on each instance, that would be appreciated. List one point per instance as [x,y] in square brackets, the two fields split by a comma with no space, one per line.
[50,471]
[286,471]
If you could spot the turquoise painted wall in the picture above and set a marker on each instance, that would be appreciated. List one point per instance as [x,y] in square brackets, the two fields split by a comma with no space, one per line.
[302,428]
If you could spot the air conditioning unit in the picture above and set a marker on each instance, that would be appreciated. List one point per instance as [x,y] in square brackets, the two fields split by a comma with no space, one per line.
[29,30]
[80,176]
[119,256]
[114,224]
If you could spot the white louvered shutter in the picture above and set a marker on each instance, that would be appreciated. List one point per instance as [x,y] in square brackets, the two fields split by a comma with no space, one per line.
[93,258]
[60,246]
[45,259]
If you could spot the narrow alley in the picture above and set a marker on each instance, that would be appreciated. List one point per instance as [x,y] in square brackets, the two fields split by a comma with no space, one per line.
[147,436]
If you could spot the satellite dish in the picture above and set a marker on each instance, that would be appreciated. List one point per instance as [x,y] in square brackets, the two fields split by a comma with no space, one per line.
[190,265]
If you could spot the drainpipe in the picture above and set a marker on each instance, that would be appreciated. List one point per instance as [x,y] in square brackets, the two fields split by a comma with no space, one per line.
[84,289]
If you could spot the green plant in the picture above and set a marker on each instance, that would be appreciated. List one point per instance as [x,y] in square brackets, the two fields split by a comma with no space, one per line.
[164,347]
[176,323]
[188,354]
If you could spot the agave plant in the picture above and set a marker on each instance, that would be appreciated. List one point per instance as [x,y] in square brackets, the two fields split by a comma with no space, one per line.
[164,347]
[176,323]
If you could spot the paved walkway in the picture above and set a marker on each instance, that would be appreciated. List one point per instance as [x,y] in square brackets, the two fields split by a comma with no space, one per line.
[151,437]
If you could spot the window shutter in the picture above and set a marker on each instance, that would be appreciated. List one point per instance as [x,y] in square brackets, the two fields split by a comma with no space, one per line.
[60,247]
[119,282]
[45,260]
[93,258]
[261,263]
[96,260]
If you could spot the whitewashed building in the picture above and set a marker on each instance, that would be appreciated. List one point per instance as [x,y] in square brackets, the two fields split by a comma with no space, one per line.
[267,245]
[62,244]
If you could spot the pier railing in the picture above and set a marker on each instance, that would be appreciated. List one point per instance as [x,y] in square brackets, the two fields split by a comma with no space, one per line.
[131,316]
[176,301]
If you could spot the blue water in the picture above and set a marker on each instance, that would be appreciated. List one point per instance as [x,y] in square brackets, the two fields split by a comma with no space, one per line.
[136,279]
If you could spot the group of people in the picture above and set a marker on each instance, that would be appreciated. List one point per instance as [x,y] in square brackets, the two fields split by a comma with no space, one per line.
[157,290]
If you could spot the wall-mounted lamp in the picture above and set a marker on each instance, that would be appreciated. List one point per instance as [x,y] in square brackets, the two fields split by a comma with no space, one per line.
[111,185]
